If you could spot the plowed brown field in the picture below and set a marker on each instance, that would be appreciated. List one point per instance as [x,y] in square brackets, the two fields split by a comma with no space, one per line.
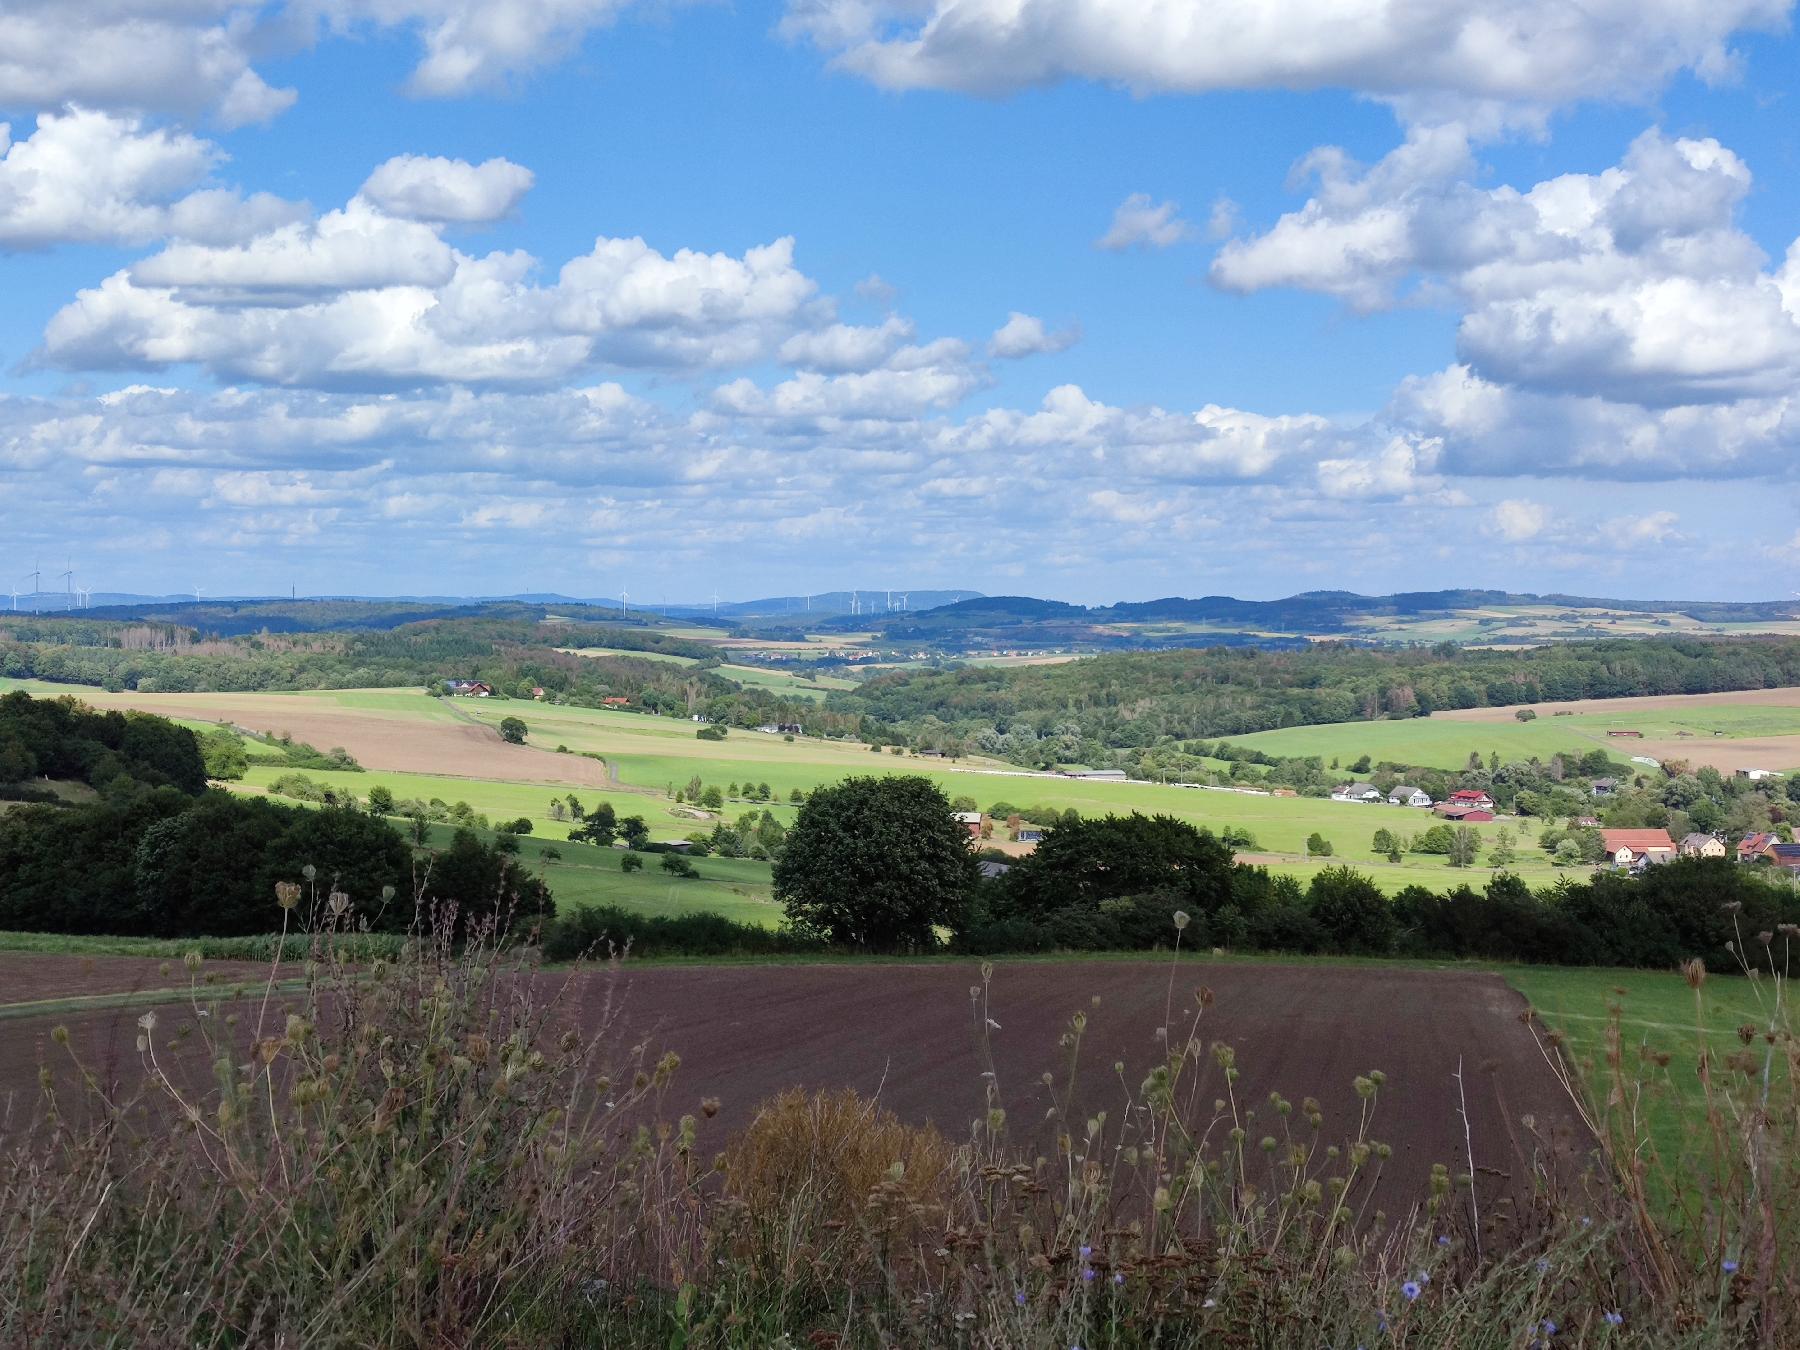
[434,740]
[908,1034]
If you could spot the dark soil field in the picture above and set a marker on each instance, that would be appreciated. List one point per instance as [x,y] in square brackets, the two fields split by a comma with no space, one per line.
[34,977]
[908,1035]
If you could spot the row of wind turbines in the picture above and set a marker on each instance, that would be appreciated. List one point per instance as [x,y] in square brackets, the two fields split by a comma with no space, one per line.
[73,593]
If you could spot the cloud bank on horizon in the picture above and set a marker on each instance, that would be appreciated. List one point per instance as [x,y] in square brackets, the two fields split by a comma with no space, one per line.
[323,288]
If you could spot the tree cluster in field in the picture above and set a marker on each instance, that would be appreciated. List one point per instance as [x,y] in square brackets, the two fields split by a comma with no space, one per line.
[1112,709]
[63,739]
[156,853]
[712,797]
[881,864]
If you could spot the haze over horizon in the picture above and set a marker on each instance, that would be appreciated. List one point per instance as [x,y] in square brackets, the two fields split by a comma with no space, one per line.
[1082,301]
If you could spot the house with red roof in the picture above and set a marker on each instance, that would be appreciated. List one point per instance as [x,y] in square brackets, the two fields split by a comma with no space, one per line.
[1755,846]
[1626,848]
[1472,799]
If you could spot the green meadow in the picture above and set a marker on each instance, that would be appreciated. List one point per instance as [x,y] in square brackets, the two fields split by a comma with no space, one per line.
[1657,1014]
[1447,743]
[663,753]
[586,874]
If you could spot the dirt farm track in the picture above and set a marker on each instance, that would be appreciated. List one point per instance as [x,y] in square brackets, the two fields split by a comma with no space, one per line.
[908,1034]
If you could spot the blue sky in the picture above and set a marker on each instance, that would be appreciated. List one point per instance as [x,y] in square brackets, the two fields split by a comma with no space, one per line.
[1093,300]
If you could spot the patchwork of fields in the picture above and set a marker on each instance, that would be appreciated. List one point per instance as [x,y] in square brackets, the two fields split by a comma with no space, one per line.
[421,747]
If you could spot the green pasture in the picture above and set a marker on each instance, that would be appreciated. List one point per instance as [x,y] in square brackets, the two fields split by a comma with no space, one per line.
[784,682]
[1446,743]
[1658,1013]
[500,800]
[670,657]
[1431,742]
[587,874]
[660,753]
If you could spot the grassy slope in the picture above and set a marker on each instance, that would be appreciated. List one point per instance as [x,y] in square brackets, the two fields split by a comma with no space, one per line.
[1445,743]
[1657,1012]
[585,874]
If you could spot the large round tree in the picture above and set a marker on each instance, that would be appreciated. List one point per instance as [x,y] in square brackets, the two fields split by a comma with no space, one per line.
[876,863]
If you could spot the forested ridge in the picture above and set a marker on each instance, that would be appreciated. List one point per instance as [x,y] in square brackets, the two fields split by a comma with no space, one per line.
[515,651]
[1125,701]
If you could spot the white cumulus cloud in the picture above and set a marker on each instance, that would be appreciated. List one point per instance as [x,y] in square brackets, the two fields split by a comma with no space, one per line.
[1517,519]
[1026,335]
[1141,222]
[1633,284]
[1534,52]
[91,177]
[447,191]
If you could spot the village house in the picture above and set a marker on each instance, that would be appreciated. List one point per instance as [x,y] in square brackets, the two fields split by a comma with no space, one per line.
[1626,848]
[1702,846]
[1406,795]
[1755,846]
[468,689]
[970,821]
[616,701]
[1357,792]
[1757,775]
[1785,856]
[1472,798]
[1605,787]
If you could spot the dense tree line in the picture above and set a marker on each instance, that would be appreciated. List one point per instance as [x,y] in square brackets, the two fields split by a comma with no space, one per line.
[879,864]
[1094,710]
[156,853]
[1103,894]
[64,739]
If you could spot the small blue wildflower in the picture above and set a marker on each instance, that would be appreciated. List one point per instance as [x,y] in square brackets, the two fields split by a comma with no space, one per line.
[1118,1277]
[1543,1264]
[1443,1240]
[1087,1275]
[1549,1327]
[1614,1319]
[1586,1222]
[1411,1289]
[1086,1252]
[1728,1266]
[1019,1298]
[1423,1277]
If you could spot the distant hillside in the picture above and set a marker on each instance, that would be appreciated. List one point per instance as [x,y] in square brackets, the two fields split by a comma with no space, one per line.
[1462,617]
[1112,709]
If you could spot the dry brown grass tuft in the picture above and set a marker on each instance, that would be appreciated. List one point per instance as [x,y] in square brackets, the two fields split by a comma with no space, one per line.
[833,1150]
